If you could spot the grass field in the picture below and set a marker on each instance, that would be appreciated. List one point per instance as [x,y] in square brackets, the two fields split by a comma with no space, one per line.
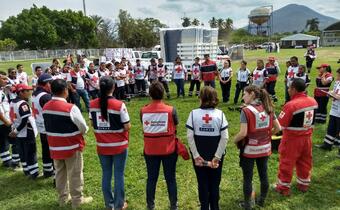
[17,192]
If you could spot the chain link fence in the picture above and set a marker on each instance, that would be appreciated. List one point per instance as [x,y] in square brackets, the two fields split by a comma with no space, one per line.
[42,54]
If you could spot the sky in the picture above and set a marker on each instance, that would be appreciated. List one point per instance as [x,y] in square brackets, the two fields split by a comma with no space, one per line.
[169,12]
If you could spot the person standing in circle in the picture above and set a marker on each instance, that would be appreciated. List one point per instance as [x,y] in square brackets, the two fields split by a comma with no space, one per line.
[225,80]
[159,130]
[180,75]
[258,123]
[111,123]
[207,133]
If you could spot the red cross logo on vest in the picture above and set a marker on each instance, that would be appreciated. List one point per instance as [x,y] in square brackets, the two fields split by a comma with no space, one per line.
[161,71]
[178,69]
[101,118]
[256,76]
[262,117]
[207,118]
[309,115]
[291,73]
[34,111]
[139,71]
[94,79]
[147,123]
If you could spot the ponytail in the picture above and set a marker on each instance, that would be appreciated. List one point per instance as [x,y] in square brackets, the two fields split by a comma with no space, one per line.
[106,84]
[263,96]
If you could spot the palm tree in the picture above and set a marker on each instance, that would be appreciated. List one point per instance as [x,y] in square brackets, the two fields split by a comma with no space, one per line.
[220,24]
[213,22]
[195,22]
[229,23]
[99,22]
[313,24]
[186,22]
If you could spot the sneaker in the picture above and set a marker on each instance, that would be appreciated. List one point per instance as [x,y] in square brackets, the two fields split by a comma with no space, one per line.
[259,201]
[48,174]
[84,200]
[7,164]
[281,191]
[302,188]
[324,146]
[245,205]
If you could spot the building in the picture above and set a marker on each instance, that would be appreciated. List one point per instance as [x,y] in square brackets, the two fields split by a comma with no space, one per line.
[299,40]
[331,35]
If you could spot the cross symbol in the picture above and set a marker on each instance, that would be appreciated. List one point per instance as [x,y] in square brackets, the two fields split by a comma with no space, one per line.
[256,76]
[146,123]
[94,79]
[161,71]
[263,117]
[35,111]
[12,114]
[178,69]
[196,71]
[309,115]
[138,71]
[207,118]
[291,73]
[101,118]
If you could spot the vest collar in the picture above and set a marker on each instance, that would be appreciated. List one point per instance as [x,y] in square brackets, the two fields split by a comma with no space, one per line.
[298,95]
[59,98]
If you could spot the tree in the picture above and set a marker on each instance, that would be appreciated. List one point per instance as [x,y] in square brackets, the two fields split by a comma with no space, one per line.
[7,44]
[186,22]
[213,22]
[99,22]
[195,22]
[220,24]
[229,23]
[313,24]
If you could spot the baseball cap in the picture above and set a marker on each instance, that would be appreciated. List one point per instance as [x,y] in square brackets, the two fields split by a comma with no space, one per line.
[21,87]
[324,65]
[45,78]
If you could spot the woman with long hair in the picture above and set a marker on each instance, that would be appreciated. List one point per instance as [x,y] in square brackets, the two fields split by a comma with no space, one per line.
[258,123]
[111,123]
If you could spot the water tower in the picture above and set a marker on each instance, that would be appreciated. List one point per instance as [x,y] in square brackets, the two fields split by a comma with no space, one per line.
[261,21]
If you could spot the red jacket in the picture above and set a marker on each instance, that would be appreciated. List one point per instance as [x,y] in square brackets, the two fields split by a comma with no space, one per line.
[260,125]
[64,137]
[297,117]
[159,129]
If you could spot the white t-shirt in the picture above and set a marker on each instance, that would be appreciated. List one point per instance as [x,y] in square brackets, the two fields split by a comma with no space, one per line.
[243,75]
[179,71]
[226,72]
[120,73]
[335,108]
[23,78]
[80,82]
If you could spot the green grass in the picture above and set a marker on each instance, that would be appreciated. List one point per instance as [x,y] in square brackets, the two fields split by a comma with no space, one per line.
[16,192]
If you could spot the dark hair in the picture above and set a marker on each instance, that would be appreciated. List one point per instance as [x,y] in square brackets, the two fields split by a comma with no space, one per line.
[229,62]
[106,84]
[294,58]
[206,55]
[303,67]
[329,69]
[263,96]
[197,58]
[37,67]
[298,84]
[261,61]
[3,73]
[208,96]
[156,90]
[244,62]
[19,65]
[338,71]
[160,59]
[58,86]
[116,63]
[180,60]
[10,69]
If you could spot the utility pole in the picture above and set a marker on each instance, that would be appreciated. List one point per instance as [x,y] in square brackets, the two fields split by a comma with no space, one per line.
[84,7]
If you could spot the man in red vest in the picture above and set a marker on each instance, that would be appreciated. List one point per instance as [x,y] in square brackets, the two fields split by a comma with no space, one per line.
[65,127]
[297,120]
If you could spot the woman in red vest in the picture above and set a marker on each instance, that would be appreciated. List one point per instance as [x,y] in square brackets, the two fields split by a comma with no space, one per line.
[111,123]
[159,129]
[258,123]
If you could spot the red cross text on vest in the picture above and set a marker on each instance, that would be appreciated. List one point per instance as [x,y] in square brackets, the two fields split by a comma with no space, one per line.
[207,118]
[256,76]
[34,111]
[262,117]
[291,73]
[309,115]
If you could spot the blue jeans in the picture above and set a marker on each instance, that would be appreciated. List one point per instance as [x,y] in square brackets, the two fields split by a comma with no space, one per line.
[85,96]
[180,86]
[117,162]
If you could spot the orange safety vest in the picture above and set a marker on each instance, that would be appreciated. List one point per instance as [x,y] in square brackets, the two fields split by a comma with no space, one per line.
[159,129]
[260,125]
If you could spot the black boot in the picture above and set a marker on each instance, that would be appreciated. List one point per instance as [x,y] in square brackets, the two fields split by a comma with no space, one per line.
[245,205]
[260,201]
[324,146]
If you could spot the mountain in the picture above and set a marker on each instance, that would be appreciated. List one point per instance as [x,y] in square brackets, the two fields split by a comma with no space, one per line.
[293,17]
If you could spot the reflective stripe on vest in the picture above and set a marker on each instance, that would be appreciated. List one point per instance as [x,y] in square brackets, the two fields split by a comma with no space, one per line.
[64,148]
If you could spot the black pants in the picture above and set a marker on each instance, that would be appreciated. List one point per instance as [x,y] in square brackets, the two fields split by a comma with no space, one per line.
[270,87]
[165,84]
[120,94]
[28,153]
[93,94]
[153,163]
[208,180]
[5,143]
[321,112]
[225,89]
[239,88]
[194,83]
[131,88]
[247,165]
[333,129]
[46,157]
[141,86]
